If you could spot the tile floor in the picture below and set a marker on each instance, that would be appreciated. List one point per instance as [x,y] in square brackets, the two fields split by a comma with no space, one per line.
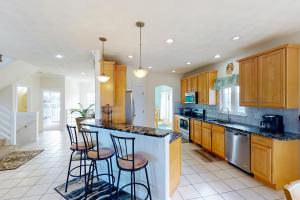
[218,181]
[200,181]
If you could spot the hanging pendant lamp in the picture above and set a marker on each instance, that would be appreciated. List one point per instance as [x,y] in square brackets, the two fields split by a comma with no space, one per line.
[103,78]
[140,72]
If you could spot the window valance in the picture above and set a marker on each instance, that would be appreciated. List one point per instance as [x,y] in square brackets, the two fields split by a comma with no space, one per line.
[226,82]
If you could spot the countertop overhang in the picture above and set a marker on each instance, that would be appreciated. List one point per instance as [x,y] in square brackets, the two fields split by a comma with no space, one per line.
[141,130]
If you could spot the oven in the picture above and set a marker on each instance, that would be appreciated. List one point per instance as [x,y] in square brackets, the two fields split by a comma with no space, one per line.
[184,125]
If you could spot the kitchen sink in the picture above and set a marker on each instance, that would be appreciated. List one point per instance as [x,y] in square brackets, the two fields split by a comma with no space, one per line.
[219,121]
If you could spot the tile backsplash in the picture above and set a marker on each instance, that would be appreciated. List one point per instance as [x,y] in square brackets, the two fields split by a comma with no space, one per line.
[254,115]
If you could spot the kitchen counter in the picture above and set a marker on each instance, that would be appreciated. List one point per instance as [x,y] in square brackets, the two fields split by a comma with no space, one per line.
[155,144]
[141,130]
[248,128]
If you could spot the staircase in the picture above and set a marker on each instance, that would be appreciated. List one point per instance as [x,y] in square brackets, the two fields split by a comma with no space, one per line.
[6,124]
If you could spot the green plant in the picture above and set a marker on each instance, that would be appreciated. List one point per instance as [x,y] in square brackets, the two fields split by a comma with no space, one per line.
[84,112]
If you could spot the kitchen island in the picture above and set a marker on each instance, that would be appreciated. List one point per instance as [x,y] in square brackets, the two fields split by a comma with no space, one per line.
[161,147]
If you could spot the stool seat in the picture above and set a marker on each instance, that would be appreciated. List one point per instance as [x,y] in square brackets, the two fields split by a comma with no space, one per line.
[81,146]
[104,153]
[139,161]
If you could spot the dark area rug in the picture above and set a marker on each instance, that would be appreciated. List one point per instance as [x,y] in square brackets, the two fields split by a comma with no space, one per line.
[100,191]
[17,159]
[206,156]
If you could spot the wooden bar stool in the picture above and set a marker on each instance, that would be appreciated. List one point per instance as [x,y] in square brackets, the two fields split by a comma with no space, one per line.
[81,148]
[95,154]
[129,161]
[292,190]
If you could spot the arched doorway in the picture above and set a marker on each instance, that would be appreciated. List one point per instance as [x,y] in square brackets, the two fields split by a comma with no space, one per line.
[163,107]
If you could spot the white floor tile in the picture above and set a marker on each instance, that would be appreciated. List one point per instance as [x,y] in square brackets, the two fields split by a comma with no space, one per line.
[213,197]
[249,194]
[231,196]
[219,186]
[209,176]
[235,184]
[16,192]
[188,192]
[267,193]
[194,178]
[205,189]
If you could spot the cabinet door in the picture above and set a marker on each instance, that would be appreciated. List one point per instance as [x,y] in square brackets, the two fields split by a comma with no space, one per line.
[249,82]
[176,124]
[189,84]
[194,83]
[271,79]
[218,143]
[261,160]
[206,138]
[107,88]
[183,89]
[192,135]
[203,88]
[197,132]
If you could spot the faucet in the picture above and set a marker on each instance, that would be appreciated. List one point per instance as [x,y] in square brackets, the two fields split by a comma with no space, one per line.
[228,114]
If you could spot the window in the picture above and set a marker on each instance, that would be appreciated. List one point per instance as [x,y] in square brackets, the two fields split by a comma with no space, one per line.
[230,98]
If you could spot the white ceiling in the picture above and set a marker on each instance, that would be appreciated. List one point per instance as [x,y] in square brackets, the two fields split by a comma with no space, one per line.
[37,30]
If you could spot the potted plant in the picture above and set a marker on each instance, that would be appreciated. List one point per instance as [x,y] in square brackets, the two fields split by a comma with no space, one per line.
[85,113]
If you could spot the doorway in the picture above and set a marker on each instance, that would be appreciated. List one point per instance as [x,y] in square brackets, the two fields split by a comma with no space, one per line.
[163,107]
[51,110]
[22,99]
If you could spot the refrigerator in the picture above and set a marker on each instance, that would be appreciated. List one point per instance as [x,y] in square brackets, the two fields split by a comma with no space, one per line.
[129,108]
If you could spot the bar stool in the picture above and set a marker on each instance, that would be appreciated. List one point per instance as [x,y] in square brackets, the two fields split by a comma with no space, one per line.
[75,147]
[95,154]
[129,161]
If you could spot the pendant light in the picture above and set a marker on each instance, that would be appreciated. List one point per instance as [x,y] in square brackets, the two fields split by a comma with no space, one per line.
[103,78]
[140,72]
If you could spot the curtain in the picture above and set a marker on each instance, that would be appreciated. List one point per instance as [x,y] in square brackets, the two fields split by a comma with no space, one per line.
[226,82]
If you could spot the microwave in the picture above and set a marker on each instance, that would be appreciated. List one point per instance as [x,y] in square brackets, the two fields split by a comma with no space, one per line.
[191,97]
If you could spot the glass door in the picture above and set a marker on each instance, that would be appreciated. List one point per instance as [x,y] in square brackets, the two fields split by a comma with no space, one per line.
[51,110]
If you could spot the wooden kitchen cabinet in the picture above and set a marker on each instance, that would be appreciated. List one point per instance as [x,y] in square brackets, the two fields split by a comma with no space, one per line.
[271,78]
[272,161]
[249,82]
[196,131]
[194,83]
[188,84]
[183,90]
[175,164]
[206,135]
[176,123]
[218,140]
[206,94]
[107,88]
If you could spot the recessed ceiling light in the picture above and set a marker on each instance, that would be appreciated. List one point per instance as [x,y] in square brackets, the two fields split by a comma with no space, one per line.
[59,56]
[173,71]
[188,63]
[130,56]
[236,38]
[83,74]
[217,56]
[169,41]
[149,67]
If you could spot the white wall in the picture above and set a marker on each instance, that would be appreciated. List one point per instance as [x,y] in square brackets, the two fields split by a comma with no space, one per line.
[6,97]
[149,83]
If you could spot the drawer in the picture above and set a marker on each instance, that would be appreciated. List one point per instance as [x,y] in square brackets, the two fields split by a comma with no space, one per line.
[261,140]
[218,128]
[206,125]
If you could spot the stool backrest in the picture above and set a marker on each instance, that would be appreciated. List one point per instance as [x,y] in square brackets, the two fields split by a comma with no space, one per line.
[89,138]
[124,148]
[292,190]
[73,135]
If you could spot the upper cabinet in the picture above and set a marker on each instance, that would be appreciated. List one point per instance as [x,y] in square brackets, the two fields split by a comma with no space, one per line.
[248,82]
[114,90]
[183,90]
[270,78]
[206,94]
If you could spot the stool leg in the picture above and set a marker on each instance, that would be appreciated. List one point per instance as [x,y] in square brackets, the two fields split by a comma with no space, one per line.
[134,195]
[80,165]
[70,162]
[94,166]
[98,179]
[149,190]
[131,187]
[111,170]
[88,179]
[118,184]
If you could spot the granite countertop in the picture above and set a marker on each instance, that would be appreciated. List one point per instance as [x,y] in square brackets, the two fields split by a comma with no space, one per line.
[249,128]
[141,130]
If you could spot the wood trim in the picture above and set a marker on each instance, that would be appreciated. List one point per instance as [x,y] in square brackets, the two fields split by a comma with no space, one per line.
[270,50]
[199,73]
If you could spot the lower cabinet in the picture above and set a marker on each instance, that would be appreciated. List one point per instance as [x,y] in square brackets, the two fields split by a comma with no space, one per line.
[176,123]
[218,140]
[261,157]
[275,162]
[206,138]
[175,164]
[196,131]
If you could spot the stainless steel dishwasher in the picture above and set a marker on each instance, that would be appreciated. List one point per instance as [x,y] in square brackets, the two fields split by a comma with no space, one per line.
[237,144]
